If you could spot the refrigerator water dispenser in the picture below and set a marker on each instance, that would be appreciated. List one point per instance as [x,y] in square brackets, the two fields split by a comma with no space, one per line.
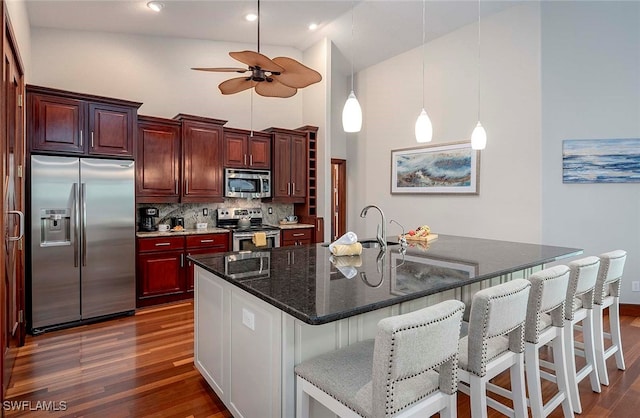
[55,227]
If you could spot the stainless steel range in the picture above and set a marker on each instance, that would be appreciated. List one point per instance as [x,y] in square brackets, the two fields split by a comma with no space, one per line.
[244,223]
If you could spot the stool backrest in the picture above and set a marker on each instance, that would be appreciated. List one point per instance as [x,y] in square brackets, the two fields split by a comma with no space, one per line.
[496,311]
[582,281]
[610,274]
[407,347]
[548,294]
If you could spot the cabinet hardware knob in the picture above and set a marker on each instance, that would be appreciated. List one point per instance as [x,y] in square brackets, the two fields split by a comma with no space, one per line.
[91,139]
[80,138]
[206,240]
[162,244]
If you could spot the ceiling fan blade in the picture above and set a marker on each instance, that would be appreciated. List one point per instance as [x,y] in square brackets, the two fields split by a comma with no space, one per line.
[236,85]
[222,69]
[255,59]
[295,74]
[274,89]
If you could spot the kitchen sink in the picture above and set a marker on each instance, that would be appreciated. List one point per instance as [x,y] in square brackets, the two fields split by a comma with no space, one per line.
[373,243]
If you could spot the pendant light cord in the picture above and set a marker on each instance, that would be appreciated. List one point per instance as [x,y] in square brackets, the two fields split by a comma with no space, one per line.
[424,20]
[478,60]
[352,54]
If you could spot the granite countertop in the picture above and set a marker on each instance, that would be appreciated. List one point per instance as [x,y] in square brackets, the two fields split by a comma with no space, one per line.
[294,226]
[212,230]
[305,283]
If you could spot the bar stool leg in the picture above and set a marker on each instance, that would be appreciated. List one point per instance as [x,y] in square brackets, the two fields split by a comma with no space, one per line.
[589,351]
[518,391]
[571,365]
[531,363]
[598,335]
[478,389]
[561,373]
[614,322]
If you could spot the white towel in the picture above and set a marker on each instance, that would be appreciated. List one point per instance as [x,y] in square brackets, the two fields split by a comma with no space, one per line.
[346,239]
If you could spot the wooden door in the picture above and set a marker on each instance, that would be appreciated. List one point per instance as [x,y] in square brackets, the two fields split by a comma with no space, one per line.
[111,130]
[158,161]
[281,169]
[259,152]
[235,150]
[338,198]
[12,190]
[202,169]
[299,157]
[57,124]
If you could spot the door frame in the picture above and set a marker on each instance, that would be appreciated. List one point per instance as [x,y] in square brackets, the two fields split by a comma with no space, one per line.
[339,227]
[12,339]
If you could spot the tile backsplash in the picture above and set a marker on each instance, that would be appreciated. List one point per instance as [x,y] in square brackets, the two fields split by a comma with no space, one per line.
[192,212]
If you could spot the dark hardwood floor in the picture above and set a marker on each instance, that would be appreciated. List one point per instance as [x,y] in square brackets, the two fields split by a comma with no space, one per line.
[142,366]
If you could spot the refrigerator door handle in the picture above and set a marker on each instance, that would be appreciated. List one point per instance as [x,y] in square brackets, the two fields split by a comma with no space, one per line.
[21,216]
[83,203]
[76,223]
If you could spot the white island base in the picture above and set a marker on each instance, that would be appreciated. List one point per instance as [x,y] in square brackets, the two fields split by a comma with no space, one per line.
[247,349]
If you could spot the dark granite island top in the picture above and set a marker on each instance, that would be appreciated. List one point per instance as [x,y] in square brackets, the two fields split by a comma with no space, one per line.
[303,281]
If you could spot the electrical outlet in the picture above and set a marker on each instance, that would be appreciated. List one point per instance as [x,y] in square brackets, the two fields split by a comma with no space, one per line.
[248,319]
[205,212]
[635,286]
[270,210]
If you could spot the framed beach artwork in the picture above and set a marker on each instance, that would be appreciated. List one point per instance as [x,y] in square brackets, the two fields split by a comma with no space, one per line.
[443,169]
[601,160]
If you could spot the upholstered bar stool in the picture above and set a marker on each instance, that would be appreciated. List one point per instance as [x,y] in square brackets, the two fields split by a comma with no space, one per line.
[607,295]
[494,344]
[544,325]
[579,310]
[410,369]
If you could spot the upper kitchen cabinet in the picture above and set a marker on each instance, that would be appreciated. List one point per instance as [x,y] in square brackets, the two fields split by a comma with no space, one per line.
[202,161]
[158,160]
[62,122]
[244,150]
[289,165]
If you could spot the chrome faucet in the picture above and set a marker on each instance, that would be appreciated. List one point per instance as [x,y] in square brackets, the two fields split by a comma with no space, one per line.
[381,232]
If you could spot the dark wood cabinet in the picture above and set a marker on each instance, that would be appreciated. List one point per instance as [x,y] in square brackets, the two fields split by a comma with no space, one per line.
[244,150]
[289,165]
[202,169]
[61,122]
[158,160]
[163,272]
[297,236]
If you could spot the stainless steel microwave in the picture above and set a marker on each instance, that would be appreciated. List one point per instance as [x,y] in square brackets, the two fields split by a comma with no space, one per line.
[247,183]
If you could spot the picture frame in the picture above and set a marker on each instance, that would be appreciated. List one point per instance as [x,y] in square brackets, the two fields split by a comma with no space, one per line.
[412,273]
[601,160]
[452,168]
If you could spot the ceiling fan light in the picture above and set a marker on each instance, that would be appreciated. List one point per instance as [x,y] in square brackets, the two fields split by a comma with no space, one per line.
[478,137]
[251,17]
[156,6]
[424,129]
[352,114]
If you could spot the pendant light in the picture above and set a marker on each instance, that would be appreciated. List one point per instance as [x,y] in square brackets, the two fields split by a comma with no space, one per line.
[479,135]
[423,129]
[352,113]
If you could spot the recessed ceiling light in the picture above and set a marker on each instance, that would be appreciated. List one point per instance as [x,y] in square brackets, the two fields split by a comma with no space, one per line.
[313,26]
[251,17]
[156,6]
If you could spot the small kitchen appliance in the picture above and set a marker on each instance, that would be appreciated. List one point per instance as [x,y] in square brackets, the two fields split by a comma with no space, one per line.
[247,183]
[147,216]
[244,223]
[177,222]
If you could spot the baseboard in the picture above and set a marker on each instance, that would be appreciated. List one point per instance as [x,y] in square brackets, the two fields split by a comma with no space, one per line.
[629,309]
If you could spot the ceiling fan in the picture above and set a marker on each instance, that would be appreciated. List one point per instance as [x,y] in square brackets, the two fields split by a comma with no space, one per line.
[278,77]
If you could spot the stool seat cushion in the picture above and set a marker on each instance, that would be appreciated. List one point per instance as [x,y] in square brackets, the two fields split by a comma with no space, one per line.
[346,375]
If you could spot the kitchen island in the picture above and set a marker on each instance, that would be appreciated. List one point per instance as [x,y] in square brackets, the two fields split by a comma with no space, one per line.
[258,314]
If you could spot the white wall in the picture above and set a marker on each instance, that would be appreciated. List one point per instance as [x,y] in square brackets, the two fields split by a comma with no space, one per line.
[17,10]
[156,71]
[591,90]
[508,206]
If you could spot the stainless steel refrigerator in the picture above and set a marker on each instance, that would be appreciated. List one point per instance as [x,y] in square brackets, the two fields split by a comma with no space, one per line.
[82,239]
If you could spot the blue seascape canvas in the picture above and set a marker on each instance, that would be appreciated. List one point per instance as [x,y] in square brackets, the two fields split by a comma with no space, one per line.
[601,160]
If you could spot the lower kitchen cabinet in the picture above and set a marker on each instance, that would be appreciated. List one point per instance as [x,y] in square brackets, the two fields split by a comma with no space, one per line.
[163,272]
[299,236]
